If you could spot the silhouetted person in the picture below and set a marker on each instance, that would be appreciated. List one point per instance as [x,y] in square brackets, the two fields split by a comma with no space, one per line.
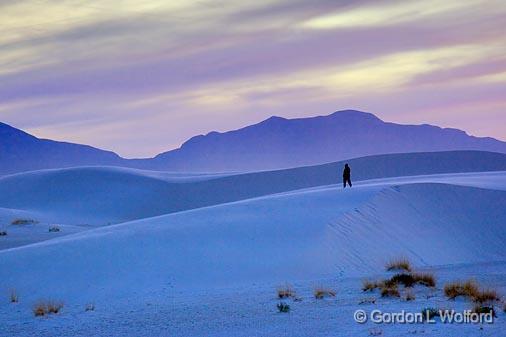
[346,176]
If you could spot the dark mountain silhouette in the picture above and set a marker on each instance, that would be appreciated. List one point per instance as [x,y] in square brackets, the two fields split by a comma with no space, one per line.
[272,144]
[280,143]
[20,151]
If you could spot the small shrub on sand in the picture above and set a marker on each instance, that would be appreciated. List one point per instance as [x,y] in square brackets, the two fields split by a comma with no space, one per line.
[410,279]
[283,307]
[406,280]
[54,307]
[486,296]
[320,293]
[471,290]
[3,233]
[39,310]
[13,296]
[399,264]
[467,289]
[286,292]
[425,279]
[23,222]
[390,291]
[389,287]
[47,307]
[370,285]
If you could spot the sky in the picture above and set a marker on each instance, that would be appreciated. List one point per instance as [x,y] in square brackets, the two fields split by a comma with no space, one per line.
[141,77]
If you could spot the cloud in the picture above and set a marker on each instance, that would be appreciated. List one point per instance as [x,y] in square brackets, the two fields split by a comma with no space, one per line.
[381,14]
[93,71]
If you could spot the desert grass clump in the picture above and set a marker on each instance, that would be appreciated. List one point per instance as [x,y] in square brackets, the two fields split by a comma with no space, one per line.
[471,290]
[486,296]
[453,290]
[425,279]
[389,287]
[283,307]
[405,277]
[286,292]
[54,307]
[370,285]
[406,280]
[399,264]
[320,293]
[13,296]
[44,308]
[390,291]
[3,233]
[39,310]
[468,289]
[23,222]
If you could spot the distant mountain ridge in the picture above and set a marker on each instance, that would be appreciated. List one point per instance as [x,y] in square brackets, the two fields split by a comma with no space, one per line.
[20,151]
[274,143]
[280,143]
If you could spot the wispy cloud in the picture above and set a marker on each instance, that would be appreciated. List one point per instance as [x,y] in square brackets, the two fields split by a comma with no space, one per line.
[386,14]
[94,71]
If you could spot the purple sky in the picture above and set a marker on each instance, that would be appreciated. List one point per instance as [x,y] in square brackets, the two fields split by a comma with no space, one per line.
[141,77]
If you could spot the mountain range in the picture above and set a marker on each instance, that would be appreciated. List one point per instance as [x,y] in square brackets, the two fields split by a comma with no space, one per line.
[271,144]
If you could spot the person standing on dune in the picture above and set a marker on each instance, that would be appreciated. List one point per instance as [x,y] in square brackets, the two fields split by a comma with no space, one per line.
[346,175]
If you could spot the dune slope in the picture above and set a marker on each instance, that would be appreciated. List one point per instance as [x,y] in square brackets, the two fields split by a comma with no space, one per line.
[321,232]
[104,195]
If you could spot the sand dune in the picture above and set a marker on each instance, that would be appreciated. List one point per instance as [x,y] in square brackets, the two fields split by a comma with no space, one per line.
[308,234]
[105,195]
